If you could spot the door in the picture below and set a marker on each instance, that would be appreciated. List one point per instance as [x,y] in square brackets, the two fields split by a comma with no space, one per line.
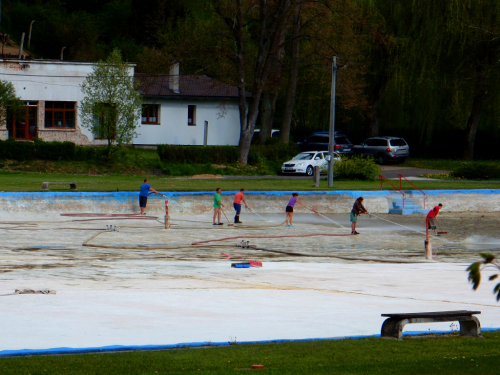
[23,125]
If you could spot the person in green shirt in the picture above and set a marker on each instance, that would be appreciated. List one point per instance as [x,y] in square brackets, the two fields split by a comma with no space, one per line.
[217,207]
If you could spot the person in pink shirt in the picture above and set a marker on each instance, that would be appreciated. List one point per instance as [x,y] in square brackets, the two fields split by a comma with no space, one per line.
[431,218]
[238,197]
[289,209]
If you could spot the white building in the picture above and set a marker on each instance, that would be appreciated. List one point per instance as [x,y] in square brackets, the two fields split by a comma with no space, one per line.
[182,110]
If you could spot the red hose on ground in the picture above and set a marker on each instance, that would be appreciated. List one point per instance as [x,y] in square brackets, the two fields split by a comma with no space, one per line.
[297,235]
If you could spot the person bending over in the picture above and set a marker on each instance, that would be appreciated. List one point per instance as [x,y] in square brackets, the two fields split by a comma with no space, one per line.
[431,218]
[357,209]
[289,209]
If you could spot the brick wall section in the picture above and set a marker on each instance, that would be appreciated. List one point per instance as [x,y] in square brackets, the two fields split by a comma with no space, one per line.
[61,135]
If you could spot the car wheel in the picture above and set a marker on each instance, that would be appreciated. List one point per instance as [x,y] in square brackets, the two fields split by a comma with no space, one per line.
[309,170]
[380,159]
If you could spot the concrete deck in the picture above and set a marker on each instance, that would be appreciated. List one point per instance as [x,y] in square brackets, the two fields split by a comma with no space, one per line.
[144,285]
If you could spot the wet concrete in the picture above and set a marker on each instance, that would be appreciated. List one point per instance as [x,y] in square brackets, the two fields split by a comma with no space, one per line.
[143,284]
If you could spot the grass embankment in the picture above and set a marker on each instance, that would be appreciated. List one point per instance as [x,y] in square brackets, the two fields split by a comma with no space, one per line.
[453,355]
[18,182]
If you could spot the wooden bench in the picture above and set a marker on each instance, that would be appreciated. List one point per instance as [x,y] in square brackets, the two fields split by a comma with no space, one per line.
[72,185]
[469,325]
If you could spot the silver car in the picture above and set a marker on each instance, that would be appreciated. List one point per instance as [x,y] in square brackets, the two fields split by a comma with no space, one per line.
[384,149]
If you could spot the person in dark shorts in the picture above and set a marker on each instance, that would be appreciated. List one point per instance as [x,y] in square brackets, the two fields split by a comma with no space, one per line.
[143,195]
[238,197]
[289,209]
[431,218]
[357,209]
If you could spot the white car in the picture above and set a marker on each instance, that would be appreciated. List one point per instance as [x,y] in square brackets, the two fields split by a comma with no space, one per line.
[306,161]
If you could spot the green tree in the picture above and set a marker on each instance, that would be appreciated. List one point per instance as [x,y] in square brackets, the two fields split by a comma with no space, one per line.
[436,65]
[111,107]
[9,102]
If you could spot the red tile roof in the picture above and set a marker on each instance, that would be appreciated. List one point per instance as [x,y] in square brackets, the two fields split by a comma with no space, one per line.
[189,86]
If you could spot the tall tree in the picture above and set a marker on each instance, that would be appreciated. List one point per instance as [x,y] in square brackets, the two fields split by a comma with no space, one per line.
[445,56]
[111,108]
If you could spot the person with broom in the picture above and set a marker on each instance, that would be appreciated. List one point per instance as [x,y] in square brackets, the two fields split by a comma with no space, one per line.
[238,197]
[217,207]
[431,218]
[357,209]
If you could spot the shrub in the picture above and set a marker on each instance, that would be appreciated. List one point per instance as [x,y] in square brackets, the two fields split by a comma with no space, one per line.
[198,154]
[54,150]
[21,151]
[357,168]
[274,153]
[477,171]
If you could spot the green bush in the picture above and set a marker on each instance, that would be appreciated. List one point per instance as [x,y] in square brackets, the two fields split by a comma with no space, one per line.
[357,168]
[477,171]
[54,150]
[273,153]
[198,154]
[15,150]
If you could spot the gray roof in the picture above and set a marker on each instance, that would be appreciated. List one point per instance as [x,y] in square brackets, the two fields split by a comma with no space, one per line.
[192,86]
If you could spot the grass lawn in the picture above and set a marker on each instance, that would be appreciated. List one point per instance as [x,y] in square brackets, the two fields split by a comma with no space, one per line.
[444,164]
[19,181]
[442,355]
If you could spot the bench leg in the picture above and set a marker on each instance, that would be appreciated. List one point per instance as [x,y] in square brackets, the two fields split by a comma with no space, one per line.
[392,328]
[45,186]
[470,327]
[72,187]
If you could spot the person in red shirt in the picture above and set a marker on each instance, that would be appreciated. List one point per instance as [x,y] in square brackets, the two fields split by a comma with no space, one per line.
[238,197]
[431,218]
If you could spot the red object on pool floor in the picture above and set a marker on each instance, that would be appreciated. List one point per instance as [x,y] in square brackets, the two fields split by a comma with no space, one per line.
[257,367]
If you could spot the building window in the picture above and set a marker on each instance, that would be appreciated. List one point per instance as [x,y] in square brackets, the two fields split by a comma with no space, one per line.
[150,114]
[60,115]
[22,125]
[192,115]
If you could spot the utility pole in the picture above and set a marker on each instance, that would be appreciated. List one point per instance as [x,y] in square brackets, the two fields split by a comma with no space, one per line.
[29,36]
[331,140]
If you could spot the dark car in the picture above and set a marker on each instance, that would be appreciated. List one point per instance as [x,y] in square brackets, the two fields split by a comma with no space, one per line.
[319,142]
[384,149]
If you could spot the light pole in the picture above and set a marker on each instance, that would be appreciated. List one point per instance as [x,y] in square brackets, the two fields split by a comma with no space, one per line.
[29,35]
[331,140]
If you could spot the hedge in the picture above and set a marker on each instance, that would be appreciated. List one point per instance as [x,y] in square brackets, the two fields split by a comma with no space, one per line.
[477,171]
[41,150]
[224,154]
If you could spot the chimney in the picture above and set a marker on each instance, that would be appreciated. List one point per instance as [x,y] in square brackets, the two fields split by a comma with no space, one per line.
[173,79]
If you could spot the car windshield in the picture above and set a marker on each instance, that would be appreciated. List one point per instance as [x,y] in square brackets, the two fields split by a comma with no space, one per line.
[304,156]
[398,142]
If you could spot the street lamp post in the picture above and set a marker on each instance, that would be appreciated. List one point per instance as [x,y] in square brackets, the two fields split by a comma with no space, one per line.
[331,140]
[29,36]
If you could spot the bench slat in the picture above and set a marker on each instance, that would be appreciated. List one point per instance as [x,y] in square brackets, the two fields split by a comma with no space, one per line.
[431,314]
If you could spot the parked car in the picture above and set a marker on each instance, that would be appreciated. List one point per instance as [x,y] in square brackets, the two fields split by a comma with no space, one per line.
[384,149]
[319,141]
[306,161]
[275,133]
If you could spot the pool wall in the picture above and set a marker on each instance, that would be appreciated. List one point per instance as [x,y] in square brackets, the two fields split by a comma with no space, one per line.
[479,200]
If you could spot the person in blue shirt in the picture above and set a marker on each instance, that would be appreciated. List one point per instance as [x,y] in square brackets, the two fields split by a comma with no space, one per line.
[143,195]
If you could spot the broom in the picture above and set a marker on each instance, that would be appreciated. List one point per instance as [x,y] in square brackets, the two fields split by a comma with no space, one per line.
[440,227]
[228,222]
